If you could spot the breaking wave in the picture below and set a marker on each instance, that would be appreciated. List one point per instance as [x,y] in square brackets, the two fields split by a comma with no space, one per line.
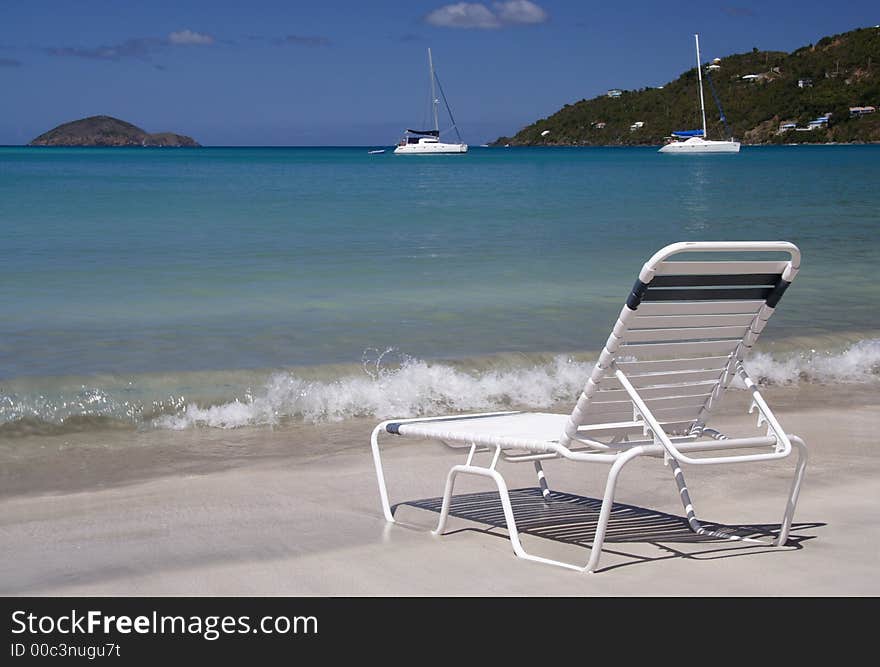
[858,363]
[413,388]
[416,388]
[404,387]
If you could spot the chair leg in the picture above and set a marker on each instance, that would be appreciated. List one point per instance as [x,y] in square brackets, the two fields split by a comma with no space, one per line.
[447,498]
[685,497]
[607,504]
[380,474]
[697,527]
[799,470]
[502,491]
[542,481]
[506,506]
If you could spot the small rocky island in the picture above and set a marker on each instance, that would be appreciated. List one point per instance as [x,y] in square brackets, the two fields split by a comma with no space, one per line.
[108,131]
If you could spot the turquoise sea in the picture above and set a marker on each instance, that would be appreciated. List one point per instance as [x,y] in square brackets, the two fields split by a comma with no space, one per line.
[231,286]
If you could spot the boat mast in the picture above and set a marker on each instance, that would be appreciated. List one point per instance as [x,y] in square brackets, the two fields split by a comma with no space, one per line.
[434,100]
[699,77]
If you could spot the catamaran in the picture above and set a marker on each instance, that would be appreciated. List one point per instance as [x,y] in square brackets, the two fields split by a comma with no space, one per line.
[694,141]
[427,142]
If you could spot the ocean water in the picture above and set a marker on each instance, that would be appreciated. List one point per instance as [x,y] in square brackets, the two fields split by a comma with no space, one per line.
[231,286]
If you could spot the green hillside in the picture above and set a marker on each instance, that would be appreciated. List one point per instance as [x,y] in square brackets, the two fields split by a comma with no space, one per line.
[108,131]
[844,69]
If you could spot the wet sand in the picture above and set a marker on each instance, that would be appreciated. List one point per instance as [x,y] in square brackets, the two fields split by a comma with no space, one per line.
[294,511]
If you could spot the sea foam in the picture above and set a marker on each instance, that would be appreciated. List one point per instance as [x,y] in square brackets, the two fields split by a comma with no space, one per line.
[860,362]
[416,388]
[390,386]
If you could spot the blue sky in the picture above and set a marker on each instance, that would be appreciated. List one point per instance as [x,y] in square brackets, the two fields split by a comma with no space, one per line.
[270,72]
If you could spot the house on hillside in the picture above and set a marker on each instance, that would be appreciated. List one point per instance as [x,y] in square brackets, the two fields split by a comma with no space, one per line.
[614,92]
[821,121]
[855,112]
[805,83]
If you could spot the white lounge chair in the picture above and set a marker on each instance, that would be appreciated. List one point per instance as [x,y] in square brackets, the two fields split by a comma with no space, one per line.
[678,343]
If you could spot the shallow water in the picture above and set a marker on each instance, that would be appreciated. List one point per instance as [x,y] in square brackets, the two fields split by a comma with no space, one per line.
[249,286]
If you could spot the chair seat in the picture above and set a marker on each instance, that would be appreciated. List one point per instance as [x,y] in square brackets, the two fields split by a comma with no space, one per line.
[536,427]
[507,429]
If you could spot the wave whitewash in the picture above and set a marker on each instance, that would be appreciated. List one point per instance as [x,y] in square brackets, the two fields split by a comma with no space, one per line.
[387,387]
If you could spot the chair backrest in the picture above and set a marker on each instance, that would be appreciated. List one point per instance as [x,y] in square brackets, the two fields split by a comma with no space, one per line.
[684,328]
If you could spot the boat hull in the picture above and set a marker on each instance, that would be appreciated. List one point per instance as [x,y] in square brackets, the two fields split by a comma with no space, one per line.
[698,145]
[432,148]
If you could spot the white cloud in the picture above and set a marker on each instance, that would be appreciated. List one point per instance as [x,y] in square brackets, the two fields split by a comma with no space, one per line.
[463,15]
[189,37]
[478,15]
[520,11]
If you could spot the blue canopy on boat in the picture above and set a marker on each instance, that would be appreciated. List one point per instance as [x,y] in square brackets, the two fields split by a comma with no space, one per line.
[688,133]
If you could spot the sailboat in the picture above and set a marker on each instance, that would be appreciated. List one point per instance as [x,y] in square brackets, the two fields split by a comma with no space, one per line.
[694,141]
[427,142]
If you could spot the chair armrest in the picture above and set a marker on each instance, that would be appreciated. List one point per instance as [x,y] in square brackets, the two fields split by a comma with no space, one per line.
[663,438]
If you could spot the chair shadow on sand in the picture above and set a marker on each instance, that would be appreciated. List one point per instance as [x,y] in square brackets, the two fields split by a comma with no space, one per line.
[572,519]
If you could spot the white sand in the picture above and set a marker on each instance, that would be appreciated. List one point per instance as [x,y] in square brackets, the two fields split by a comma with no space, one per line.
[259,512]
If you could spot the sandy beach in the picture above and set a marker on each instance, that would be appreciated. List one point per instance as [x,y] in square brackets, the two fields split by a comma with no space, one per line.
[294,511]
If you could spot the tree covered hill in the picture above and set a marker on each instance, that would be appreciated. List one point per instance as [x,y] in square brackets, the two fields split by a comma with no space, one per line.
[844,71]
[108,131]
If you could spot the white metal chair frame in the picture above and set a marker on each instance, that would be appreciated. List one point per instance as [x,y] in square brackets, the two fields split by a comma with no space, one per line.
[580,441]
